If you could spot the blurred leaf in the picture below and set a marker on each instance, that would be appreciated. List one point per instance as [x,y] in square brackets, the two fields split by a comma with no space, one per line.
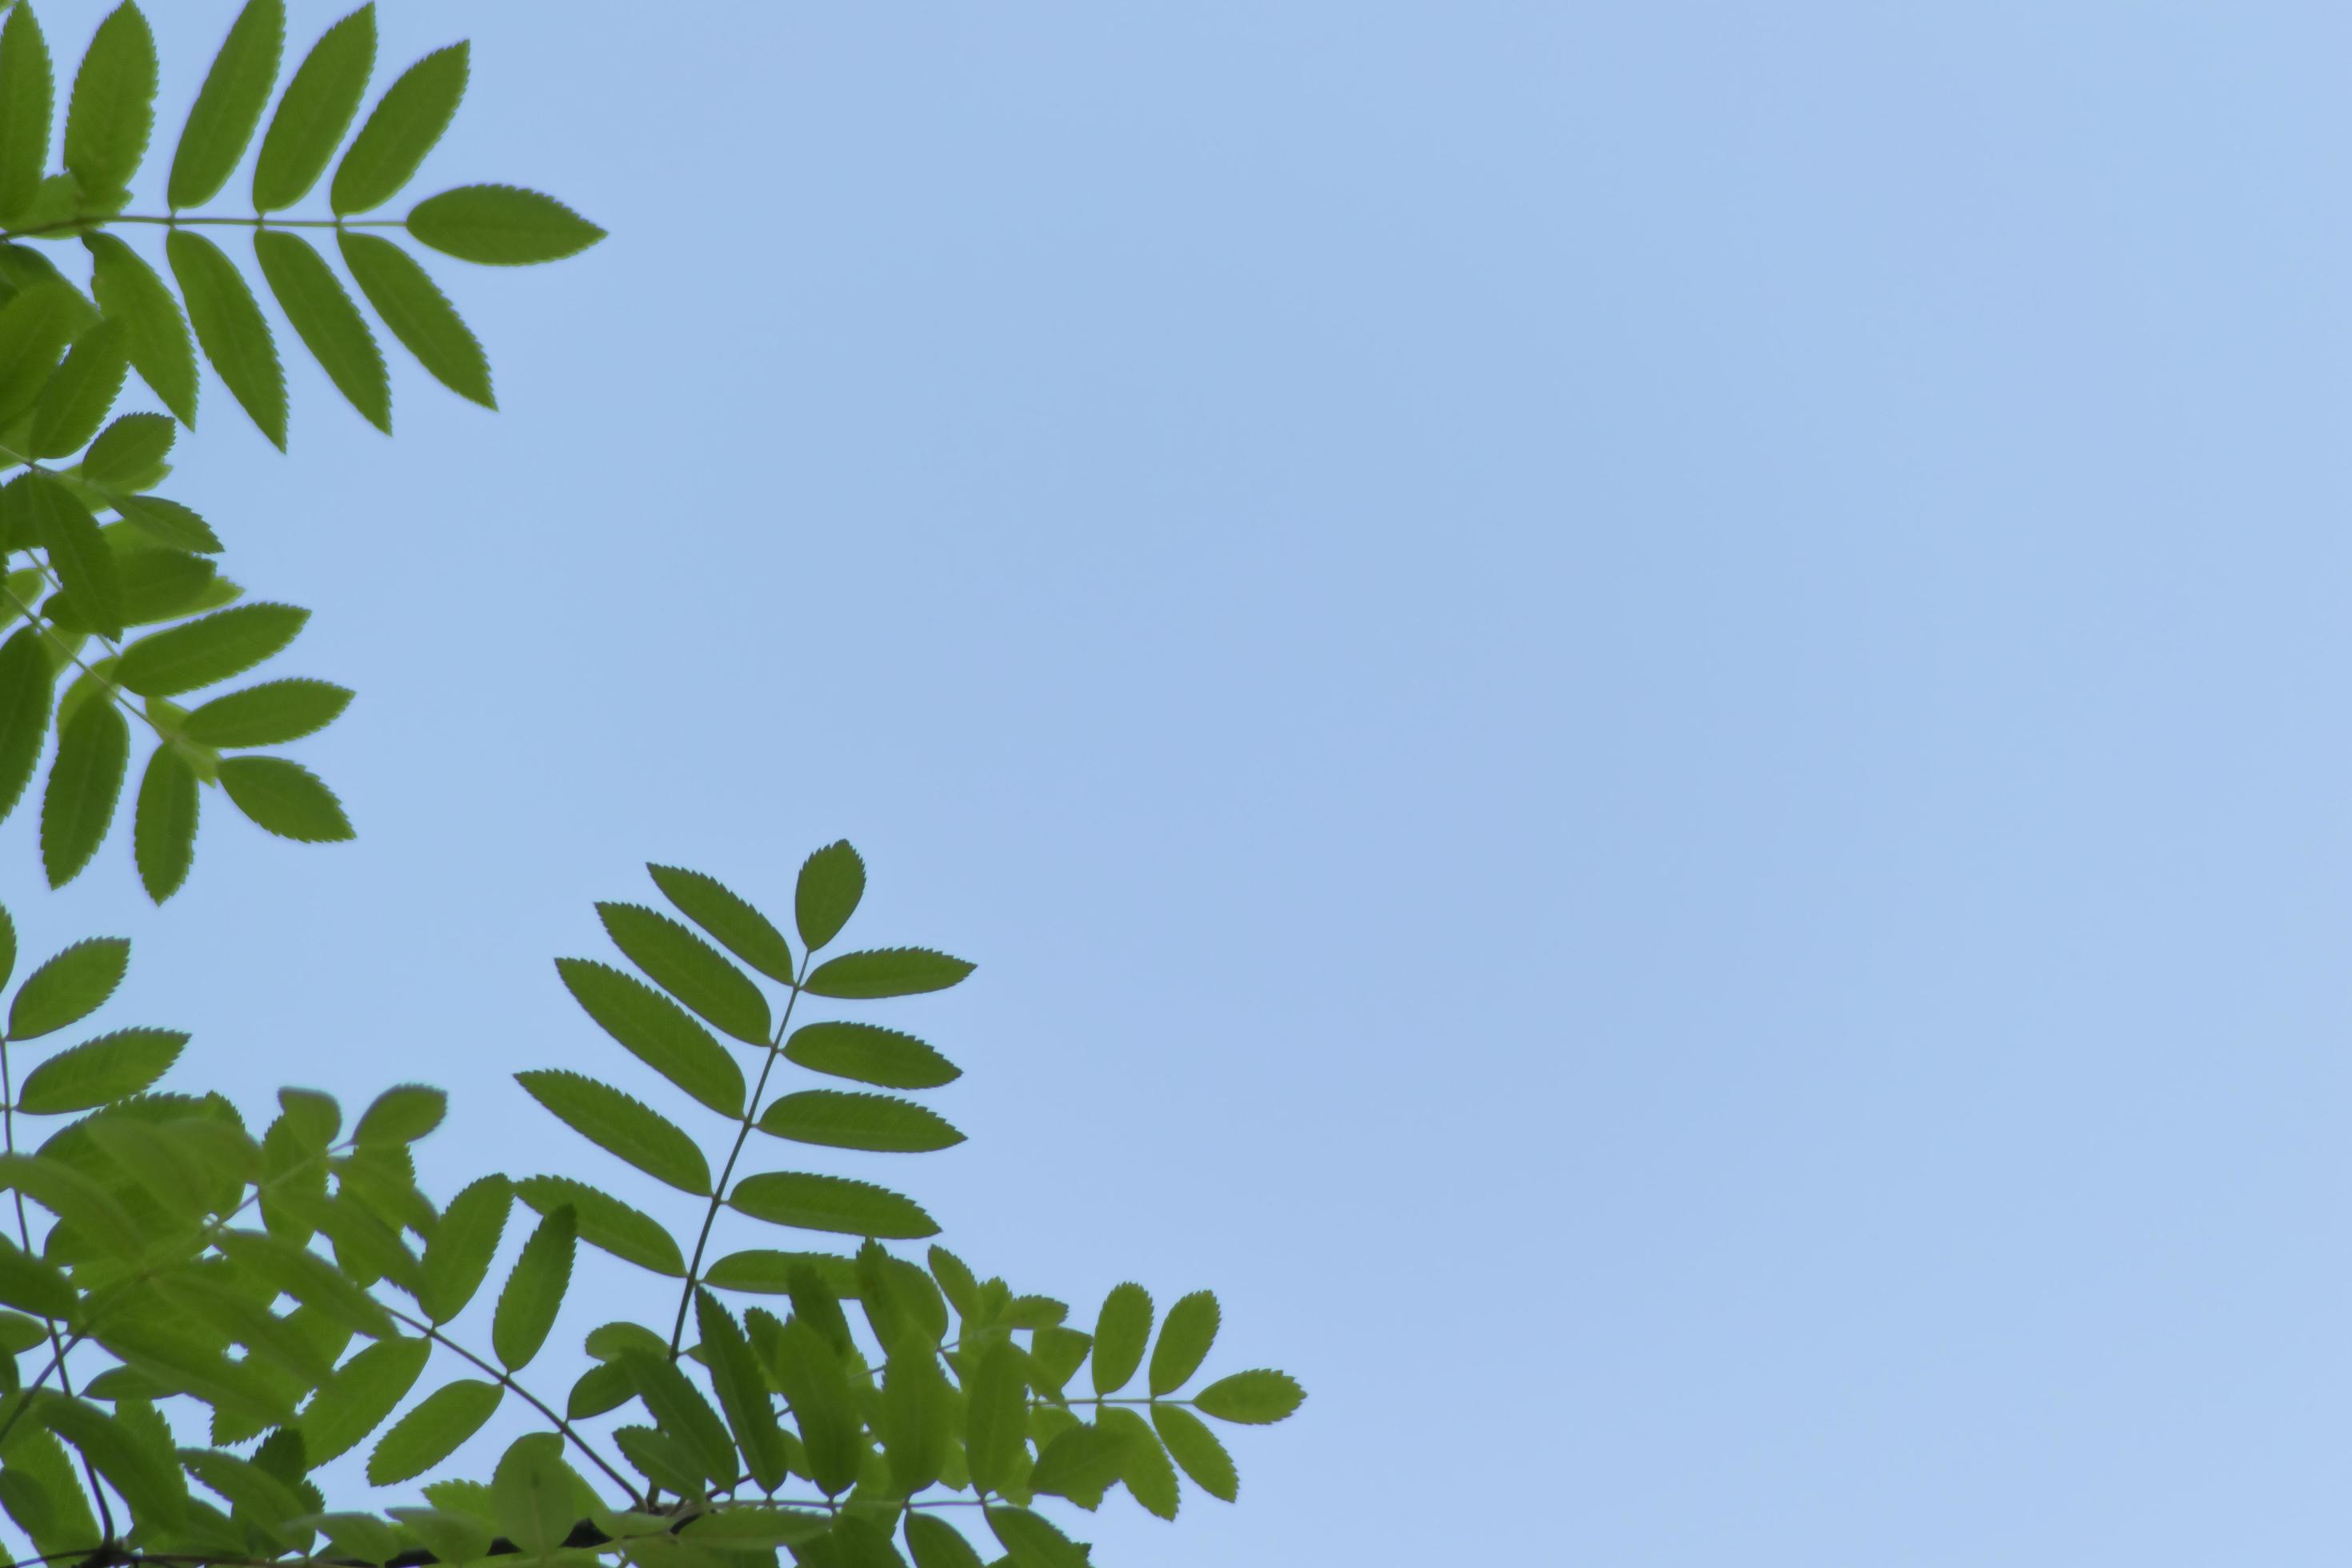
[885,1058]
[228,106]
[431,1432]
[327,321]
[314,111]
[500,226]
[230,329]
[682,1414]
[657,1031]
[625,1126]
[918,1421]
[163,827]
[269,714]
[875,1121]
[35,327]
[152,1485]
[419,315]
[535,1494]
[888,972]
[155,333]
[763,1271]
[285,798]
[401,130]
[85,780]
[101,1071]
[114,106]
[689,969]
[308,1277]
[534,1292]
[32,1284]
[832,1203]
[935,1543]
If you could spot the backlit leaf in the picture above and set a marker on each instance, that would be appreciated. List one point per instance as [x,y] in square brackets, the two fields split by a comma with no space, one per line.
[229,105]
[99,1071]
[400,1114]
[327,321]
[742,1390]
[285,798]
[682,1414]
[73,404]
[814,1385]
[658,1031]
[996,1418]
[154,332]
[69,987]
[831,883]
[35,327]
[875,1121]
[308,1277]
[535,1494]
[59,523]
[151,1483]
[314,111]
[607,1221]
[689,969]
[167,522]
[164,827]
[1143,1463]
[127,454]
[625,1126]
[432,1432]
[935,1543]
[269,714]
[886,972]
[1032,1540]
[766,1272]
[419,315]
[32,1284]
[534,1292]
[359,1395]
[230,329]
[1196,1450]
[885,1058]
[26,107]
[1253,1398]
[832,1203]
[27,682]
[85,780]
[500,226]
[400,130]
[75,1199]
[114,106]
[1121,1330]
[1184,1339]
[745,932]
[459,1255]
[213,648]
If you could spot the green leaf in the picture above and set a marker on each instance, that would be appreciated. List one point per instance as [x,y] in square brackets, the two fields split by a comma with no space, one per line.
[213,648]
[114,106]
[885,1058]
[70,987]
[738,1528]
[285,798]
[269,714]
[1081,1463]
[75,1199]
[308,1277]
[746,933]
[627,1127]
[1032,1540]
[742,1390]
[607,1221]
[400,1114]
[155,333]
[660,1458]
[360,1396]
[402,129]
[1185,1340]
[230,329]
[60,524]
[164,827]
[534,1292]
[432,1432]
[935,1543]
[27,681]
[34,1284]
[450,1537]
[229,105]
[682,1414]
[101,1071]
[86,779]
[459,1255]
[26,105]
[35,327]
[419,315]
[327,321]
[1254,1398]
[167,522]
[314,111]
[357,1536]
[886,972]
[130,451]
[832,1204]
[996,1418]
[766,1272]
[152,1484]
[689,969]
[1143,1463]
[813,1382]
[500,226]
[657,1031]
[263,1498]
[832,880]
[875,1121]
[1057,1353]
[603,1388]
[1196,1450]
[917,1420]
[74,403]
[536,1494]
[1121,1330]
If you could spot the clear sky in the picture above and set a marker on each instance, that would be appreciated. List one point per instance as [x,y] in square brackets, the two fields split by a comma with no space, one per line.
[1639,712]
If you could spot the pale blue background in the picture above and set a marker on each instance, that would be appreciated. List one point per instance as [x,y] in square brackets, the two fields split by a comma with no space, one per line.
[1639,711]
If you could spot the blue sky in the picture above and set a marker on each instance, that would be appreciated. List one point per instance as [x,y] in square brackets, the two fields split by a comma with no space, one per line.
[1637,712]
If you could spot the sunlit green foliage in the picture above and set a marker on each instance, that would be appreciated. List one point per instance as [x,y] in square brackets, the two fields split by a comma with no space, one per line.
[201,1313]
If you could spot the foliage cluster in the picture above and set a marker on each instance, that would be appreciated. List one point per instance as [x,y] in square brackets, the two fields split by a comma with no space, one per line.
[293,1295]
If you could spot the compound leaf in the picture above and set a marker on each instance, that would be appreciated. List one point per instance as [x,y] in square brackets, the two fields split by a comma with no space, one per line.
[163,827]
[314,111]
[327,321]
[285,798]
[85,780]
[400,130]
[886,971]
[500,226]
[534,1292]
[624,1125]
[228,106]
[432,1432]
[419,315]
[230,329]
[101,1071]
[832,1203]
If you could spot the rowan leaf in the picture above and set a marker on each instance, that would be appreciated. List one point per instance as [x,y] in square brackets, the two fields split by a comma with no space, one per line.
[151,1483]
[36,325]
[99,1071]
[400,130]
[113,107]
[210,649]
[73,404]
[625,1126]
[500,226]
[885,1058]
[308,1277]
[1256,1398]
[681,1414]
[742,1389]
[1196,1450]
[27,682]
[168,523]
[1143,1463]
[314,111]
[284,799]
[763,1271]
[75,1199]
[127,454]
[1185,1336]
[55,520]
[657,1031]
[163,826]
[831,883]
[935,1543]
[875,1121]
[1121,1330]
[457,1257]
[886,971]
[230,329]
[269,714]
[689,969]
[535,1494]
[815,1385]
[26,107]
[155,333]
[327,321]
[34,1284]
[917,1420]
[85,780]
[607,1221]
[744,931]
[360,1396]
[228,106]
[832,1203]
[534,1292]
[419,315]
[69,987]
[996,1418]
[401,1115]
[432,1432]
